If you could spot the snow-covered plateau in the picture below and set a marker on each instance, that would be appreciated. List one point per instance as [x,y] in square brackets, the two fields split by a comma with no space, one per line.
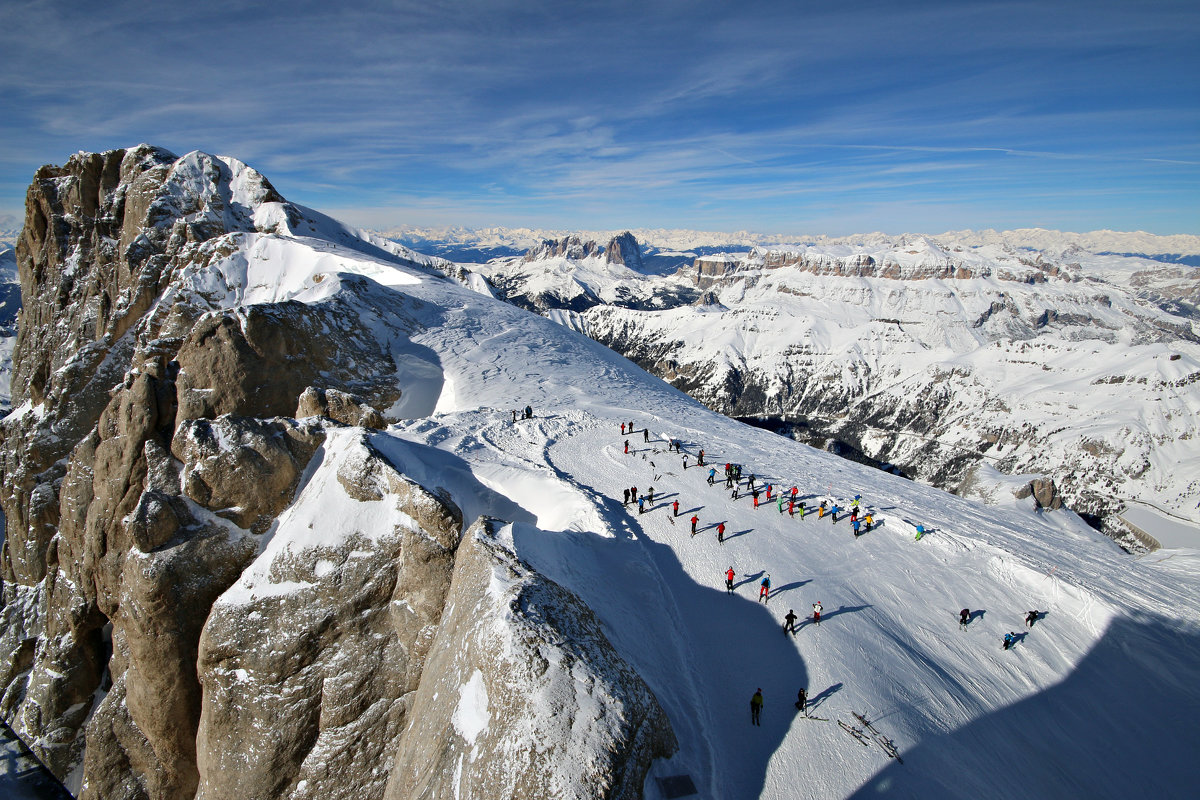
[935,356]
[279,525]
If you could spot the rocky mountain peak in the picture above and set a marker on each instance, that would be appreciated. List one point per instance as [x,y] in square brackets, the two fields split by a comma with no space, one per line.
[183,614]
[570,247]
[624,250]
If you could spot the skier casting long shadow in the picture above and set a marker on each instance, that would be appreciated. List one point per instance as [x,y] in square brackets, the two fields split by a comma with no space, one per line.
[705,728]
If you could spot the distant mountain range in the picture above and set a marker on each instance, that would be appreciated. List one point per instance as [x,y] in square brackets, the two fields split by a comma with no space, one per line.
[476,245]
[1025,351]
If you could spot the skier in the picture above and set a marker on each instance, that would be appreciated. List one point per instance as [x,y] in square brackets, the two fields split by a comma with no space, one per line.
[751,483]
[712,475]
[1010,639]
[626,447]
[700,459]
[803,510]
[754,493]
[821,510]
[729,580]
[789,622]
[685,455]
[622,428]
[675,508]
[514,416]
[779,502]
[756,704]
[854,523]
[794,490]
[802,702]
[650,496]
[920,533]
[834,511]
[964,618]
[645,434]
[817,613]
[791,508]
[695,519]
[633,495]
[854,502]
[764,589]
[721,533]
[528,412]
[625,502]
[1031,618]
[769,487]
[641,504]
[734,494]
[868,521]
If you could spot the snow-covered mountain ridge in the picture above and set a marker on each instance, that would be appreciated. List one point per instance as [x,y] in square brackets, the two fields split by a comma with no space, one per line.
[928,354]
[275,529]
[1167,248]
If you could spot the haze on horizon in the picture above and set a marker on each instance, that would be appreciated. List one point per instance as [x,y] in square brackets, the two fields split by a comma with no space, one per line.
[803,117]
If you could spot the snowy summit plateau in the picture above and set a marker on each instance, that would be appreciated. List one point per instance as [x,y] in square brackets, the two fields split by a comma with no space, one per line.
[295,511]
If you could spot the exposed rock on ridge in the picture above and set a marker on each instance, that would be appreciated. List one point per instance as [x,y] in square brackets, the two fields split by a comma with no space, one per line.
[153,461]
[497,688]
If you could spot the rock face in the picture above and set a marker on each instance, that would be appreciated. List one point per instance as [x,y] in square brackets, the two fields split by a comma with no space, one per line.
[624,250]
[535,677]
[1044,493]
[571,247]
[174,422]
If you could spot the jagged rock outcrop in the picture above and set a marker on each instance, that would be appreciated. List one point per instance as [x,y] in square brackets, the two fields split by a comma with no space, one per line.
[572,247]
[308,689]
[172,626]
[624,250]
[520,661]
[1044,493]
[339,406]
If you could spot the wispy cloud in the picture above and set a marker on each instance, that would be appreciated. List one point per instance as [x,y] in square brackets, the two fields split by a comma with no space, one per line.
[677,111]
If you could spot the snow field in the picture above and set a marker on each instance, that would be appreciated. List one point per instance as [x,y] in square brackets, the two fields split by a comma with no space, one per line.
[889,644]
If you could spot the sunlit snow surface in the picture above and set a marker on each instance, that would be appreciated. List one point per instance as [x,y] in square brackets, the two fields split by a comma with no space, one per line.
[1098,700]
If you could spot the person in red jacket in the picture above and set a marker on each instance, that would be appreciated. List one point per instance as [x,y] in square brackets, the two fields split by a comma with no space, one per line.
[721,533]
[695,519]
[729,580]
[675,507]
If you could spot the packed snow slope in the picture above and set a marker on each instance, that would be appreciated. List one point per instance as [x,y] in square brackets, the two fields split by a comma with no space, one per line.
[1096,700]
[934,354]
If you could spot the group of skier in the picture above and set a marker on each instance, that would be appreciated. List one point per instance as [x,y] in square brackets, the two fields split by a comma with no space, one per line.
[860,524]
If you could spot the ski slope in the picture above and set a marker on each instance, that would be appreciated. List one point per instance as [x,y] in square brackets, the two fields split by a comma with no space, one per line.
[1097,700]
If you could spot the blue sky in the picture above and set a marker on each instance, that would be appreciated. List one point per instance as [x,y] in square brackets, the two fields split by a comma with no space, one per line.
[790,117]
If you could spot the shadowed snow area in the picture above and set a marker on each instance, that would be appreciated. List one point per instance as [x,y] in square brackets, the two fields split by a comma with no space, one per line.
[1118,641]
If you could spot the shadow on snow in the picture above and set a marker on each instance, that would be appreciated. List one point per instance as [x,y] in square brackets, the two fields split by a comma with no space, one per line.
[1118,726]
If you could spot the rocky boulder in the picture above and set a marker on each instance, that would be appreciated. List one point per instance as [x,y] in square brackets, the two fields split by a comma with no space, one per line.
[342,407]
[1045,493]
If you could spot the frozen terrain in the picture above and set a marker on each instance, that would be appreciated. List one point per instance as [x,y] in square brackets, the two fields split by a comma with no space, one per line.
[1097,699]
[962,712]
[935,354]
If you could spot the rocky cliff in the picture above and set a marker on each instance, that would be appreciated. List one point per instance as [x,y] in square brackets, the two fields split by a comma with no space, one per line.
[177,619]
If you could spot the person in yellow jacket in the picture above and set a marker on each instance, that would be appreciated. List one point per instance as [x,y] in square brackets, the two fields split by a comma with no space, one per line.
[756,704]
